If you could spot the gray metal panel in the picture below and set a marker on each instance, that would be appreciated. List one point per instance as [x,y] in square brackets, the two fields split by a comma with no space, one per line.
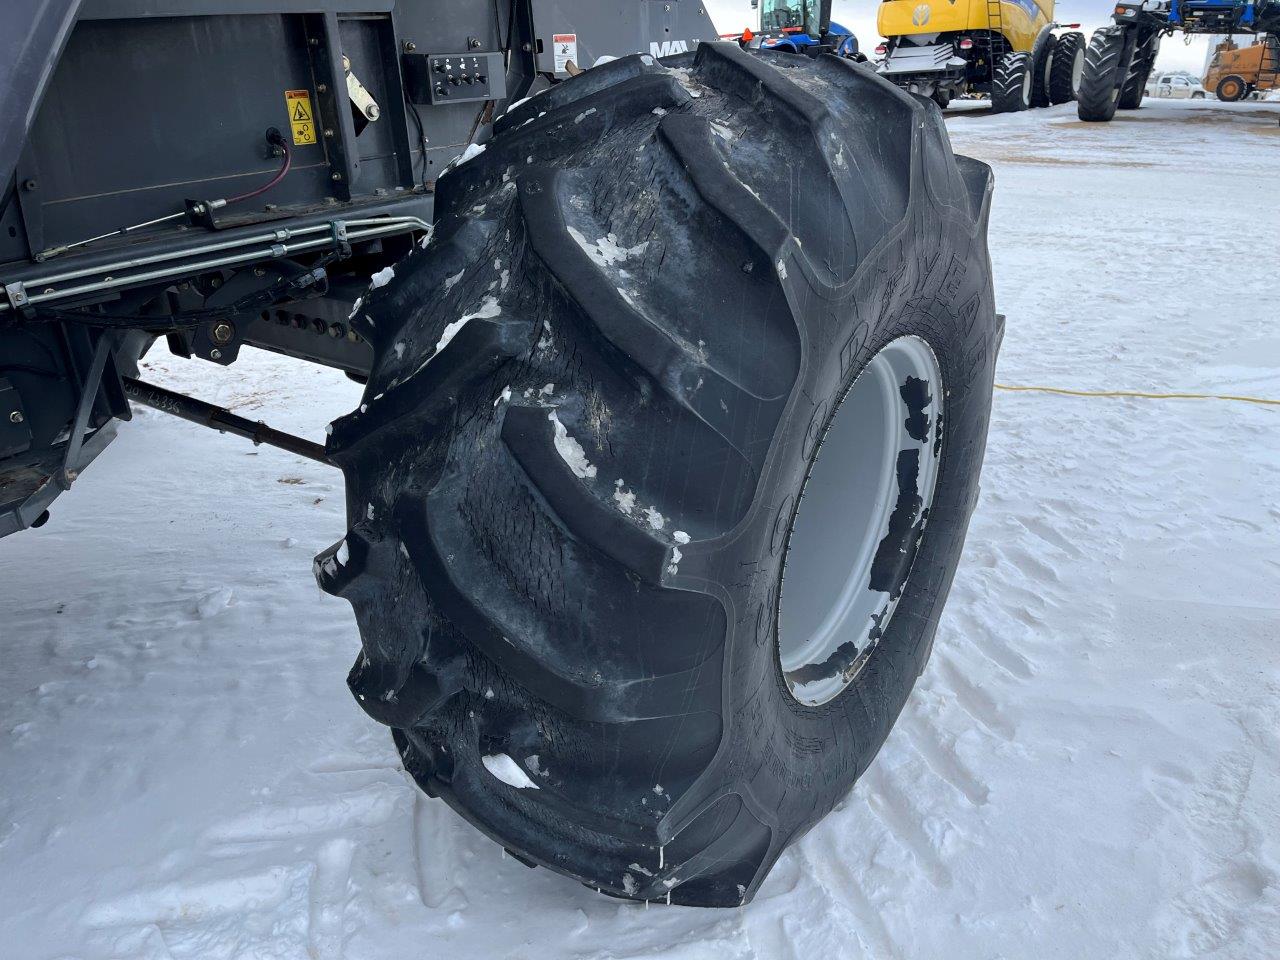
[657,27]
[143,89]
[122,9]
[171,102]
[32,35]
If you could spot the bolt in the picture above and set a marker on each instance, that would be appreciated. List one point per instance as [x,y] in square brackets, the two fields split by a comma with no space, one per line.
[410,46]
[259,271]
[322,88]
[71,475]
[526,47]
[335,177]
[28,184]
[16,417]
[372,111]
[328,132]
[215,282]
[222,333]
[314,41]
[215,354]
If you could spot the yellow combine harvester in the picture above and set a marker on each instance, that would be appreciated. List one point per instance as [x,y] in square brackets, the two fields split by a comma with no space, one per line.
[945,48]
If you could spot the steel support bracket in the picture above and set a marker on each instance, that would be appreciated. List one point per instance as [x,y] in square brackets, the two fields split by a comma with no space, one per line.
[17,295]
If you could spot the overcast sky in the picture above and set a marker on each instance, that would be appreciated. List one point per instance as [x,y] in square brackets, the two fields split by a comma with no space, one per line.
[860,17]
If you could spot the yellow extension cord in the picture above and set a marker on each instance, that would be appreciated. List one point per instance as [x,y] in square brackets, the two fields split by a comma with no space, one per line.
[1135,393]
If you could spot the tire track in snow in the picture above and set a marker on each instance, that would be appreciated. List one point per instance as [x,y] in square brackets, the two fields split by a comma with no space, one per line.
[179,901]
[1211,912]
[767,938]
[982,639]
[330,887]
[832,873]
[903,820]
[438,887]
[1047,532]
[973,700]
[1001,655]
[942,760]
[370,807]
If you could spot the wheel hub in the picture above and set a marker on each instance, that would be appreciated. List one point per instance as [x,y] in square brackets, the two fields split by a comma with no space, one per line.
[860,519]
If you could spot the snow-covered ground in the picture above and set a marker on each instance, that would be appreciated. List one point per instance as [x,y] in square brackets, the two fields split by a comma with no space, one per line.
[1090,766]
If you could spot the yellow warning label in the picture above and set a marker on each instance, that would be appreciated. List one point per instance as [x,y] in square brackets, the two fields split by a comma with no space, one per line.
[301,116]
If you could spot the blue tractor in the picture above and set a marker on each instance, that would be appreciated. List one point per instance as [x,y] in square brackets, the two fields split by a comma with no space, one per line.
[1122,54]
[801,26]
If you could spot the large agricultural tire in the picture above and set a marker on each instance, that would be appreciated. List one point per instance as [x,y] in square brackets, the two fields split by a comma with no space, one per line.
[1103,70]
[1138,73]
[1232,89]
[1012,83]
[1067,68]
[1042,67]
[575,475]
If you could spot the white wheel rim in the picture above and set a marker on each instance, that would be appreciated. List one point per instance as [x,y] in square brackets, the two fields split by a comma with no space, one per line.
[853,510]
[1077,71]
[1026,87]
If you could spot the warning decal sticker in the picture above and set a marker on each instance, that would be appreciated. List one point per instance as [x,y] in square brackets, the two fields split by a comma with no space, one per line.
[565,46]
[301,117]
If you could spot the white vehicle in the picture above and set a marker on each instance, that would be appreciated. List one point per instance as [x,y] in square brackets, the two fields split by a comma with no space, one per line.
[1175,86]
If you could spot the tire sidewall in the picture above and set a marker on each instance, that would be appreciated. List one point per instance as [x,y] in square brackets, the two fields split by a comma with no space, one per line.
[1041,68]
[1077,71]
[819,751]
